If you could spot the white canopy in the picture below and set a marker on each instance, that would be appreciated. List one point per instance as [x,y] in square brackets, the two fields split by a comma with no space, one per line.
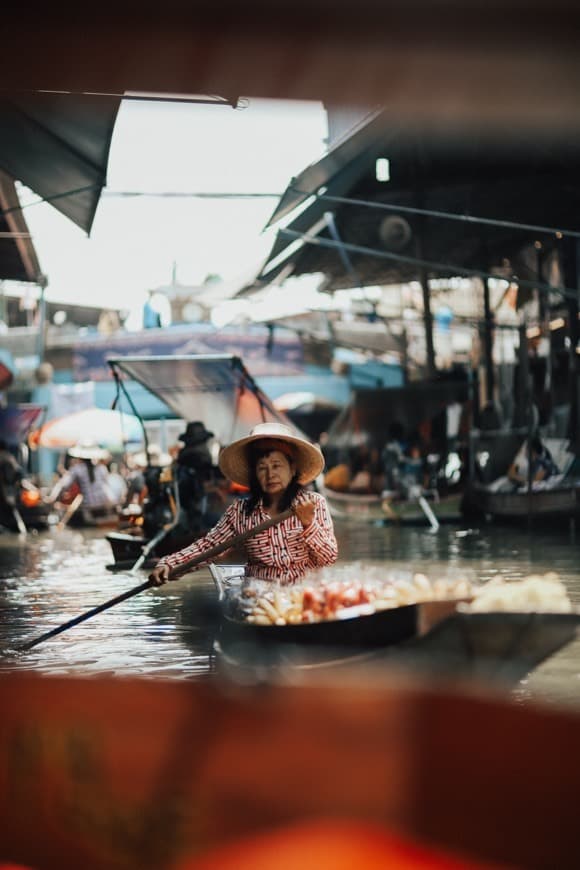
[214,388]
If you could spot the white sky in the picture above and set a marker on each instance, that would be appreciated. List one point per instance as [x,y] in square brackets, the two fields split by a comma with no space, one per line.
[178,147]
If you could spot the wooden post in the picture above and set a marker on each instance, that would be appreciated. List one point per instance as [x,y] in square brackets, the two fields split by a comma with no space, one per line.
[571,279]
[428,322]
[424,280]
[488,326]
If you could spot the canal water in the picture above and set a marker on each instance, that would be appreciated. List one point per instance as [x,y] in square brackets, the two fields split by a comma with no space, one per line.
[49,578]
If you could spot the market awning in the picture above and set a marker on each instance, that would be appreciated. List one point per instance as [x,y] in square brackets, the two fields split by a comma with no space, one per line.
[346,151]
[335,174]
[17,420]
[452,204]
[58,146]
[216,389]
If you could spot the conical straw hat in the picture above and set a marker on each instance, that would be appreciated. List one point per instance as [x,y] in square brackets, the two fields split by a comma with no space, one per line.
[234,460]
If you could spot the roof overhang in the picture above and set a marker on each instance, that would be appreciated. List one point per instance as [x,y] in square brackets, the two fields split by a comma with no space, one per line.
[18,259]
[486,61]
[455,204]
[58,145]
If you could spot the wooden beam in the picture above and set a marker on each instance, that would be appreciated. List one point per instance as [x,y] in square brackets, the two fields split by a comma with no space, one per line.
[483,62]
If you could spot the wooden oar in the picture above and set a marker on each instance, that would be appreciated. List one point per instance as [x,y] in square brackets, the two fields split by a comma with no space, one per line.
[149,547]
[71,509]
[20,525]
[204,557]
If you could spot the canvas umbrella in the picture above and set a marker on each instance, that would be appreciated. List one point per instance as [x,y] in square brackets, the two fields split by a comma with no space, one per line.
[112,430]
[305,401]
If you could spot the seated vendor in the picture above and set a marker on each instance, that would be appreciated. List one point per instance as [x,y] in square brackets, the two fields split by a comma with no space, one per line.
[542,466]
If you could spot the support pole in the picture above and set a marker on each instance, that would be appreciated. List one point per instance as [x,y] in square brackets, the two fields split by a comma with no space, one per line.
[572,274]
[488,326]
[41,339]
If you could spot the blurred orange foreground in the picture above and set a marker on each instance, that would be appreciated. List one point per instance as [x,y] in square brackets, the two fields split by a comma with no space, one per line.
[327,845]
[115,773]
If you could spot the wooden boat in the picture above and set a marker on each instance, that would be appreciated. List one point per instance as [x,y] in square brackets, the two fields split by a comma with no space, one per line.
[94,518]
[394,509]
[562,502]
[128,548]
[33,516]
[431,635]
[555,499]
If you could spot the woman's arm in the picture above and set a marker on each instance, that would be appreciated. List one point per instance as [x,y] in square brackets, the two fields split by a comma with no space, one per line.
[63,483]
[227,527]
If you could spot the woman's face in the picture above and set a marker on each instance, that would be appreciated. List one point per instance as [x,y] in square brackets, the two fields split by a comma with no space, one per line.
[274,472]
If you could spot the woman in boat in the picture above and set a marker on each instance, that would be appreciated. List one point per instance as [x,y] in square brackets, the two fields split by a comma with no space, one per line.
[91,476]
[276,465]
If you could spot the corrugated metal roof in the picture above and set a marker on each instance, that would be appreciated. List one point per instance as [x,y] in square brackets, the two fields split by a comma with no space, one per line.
[435,176]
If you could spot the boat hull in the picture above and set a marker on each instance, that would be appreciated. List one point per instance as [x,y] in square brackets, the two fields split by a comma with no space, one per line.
[437,636]
[376,508]
[545,504]
[127,548]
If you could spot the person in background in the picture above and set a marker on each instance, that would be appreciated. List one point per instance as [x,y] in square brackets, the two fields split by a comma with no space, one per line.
[413,467]
[392,456]
[91,476]
[367,471]
[194,473]
[11,473]
[151,317]
[277,465]
[117,484]
[542,466]
[137,465]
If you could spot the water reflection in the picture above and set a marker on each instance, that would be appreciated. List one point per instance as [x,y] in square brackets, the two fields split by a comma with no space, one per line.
[167,632]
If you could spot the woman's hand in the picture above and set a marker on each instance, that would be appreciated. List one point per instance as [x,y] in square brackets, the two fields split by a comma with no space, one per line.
[305,512]
[159,575]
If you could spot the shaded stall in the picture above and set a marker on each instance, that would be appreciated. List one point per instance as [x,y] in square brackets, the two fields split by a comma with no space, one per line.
[366,419]
[360,438]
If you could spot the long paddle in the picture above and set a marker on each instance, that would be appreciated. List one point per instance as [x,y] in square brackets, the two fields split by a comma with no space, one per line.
[149,547]
[71,509]
[204,557]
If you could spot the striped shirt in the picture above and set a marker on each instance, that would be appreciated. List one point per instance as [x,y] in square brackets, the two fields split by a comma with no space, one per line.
[285,552]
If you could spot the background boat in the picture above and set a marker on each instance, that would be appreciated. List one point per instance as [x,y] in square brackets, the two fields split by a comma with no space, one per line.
[376,508]
[496,497]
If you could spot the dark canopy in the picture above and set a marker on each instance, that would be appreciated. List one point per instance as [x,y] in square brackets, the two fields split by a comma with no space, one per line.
[514,180]
[503,62]
[58,146]
[367,418]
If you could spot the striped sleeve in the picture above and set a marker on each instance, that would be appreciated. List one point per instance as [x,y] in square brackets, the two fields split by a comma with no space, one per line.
[227,527]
